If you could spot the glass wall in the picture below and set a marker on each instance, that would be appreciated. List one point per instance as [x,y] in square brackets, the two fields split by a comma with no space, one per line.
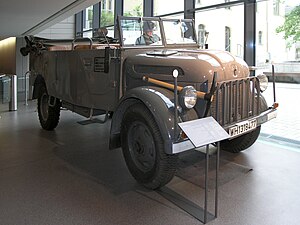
[273,49]
[107,13]
[107,16]
[167,6]
[222,29]
[204,3]
[133,7]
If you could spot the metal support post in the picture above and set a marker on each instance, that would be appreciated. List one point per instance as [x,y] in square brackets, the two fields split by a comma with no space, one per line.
[13,93]
[25,83]
[217,179]
[206,182]
[175,75]
[273,77]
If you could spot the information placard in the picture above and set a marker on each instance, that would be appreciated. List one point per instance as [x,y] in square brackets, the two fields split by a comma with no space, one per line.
[203,131]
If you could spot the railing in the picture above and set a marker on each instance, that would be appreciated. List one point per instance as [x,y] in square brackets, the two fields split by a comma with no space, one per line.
[284,67]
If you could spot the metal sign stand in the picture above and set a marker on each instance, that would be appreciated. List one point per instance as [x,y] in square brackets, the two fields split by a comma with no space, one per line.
[201,132]
[200,213]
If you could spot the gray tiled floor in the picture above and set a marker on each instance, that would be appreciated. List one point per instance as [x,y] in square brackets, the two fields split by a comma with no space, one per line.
[68,176]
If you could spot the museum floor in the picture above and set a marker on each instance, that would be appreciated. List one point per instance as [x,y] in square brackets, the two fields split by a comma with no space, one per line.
[69,176]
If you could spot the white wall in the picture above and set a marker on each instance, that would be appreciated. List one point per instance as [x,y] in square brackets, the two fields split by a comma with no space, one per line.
[63,30]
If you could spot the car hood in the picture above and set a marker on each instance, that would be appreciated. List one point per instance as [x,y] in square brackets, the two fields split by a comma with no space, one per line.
[194,66]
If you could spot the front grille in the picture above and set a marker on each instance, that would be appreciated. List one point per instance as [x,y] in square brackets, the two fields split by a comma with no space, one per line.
[236,100]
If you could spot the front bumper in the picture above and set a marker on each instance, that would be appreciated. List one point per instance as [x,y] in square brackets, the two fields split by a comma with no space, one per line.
[264,117]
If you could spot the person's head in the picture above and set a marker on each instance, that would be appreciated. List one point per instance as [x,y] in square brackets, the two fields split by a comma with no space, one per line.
[148,28]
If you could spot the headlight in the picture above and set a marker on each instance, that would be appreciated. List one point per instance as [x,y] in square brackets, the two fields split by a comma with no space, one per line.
[263,81]
[188,97]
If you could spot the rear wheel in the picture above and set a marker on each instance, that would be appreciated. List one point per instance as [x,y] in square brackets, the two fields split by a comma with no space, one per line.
[48,115]
[143,148]
[240,143]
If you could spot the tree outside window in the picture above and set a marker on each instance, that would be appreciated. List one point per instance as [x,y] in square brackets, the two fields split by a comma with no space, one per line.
[133,7]
[107,13]
[291,27]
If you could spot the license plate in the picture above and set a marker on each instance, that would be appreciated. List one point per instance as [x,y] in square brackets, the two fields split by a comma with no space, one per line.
[242,127]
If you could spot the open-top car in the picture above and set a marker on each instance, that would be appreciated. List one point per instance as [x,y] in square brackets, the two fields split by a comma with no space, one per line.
[131,79]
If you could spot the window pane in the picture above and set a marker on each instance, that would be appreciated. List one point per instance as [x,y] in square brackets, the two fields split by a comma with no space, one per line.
[224,32]
[167,6]
[88,18]
[88,22]
[107,13]
[272,46]
[227,39]
[133,8]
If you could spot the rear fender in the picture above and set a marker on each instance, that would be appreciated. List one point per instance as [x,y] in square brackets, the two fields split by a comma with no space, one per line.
[39,82]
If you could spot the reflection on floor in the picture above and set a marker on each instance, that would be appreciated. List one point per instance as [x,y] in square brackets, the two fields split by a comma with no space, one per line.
[68,176]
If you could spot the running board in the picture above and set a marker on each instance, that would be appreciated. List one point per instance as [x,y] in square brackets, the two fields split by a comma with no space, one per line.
[92,119]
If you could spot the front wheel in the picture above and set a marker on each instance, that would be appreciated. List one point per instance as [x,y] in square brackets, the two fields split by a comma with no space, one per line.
[143,148]
[48,115]
[241,143]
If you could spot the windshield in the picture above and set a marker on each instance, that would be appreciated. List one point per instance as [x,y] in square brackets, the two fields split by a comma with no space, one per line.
[179,32]
[140,32]
[136,31]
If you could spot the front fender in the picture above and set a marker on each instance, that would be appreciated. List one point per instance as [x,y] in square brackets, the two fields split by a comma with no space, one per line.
[159,102]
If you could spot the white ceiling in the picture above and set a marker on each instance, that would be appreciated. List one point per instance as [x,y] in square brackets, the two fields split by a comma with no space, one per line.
[24,17]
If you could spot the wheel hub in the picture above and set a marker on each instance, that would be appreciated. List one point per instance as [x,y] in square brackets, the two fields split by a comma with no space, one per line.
[141,146]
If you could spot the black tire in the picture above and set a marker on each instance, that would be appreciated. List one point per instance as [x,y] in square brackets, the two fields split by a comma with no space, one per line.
[48,115]
[240,143]
[143,148]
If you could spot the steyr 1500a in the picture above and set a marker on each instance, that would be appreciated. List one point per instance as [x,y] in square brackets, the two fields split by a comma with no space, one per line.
[130,80]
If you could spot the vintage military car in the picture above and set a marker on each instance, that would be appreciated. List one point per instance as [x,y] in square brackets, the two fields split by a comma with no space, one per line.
[147,87]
